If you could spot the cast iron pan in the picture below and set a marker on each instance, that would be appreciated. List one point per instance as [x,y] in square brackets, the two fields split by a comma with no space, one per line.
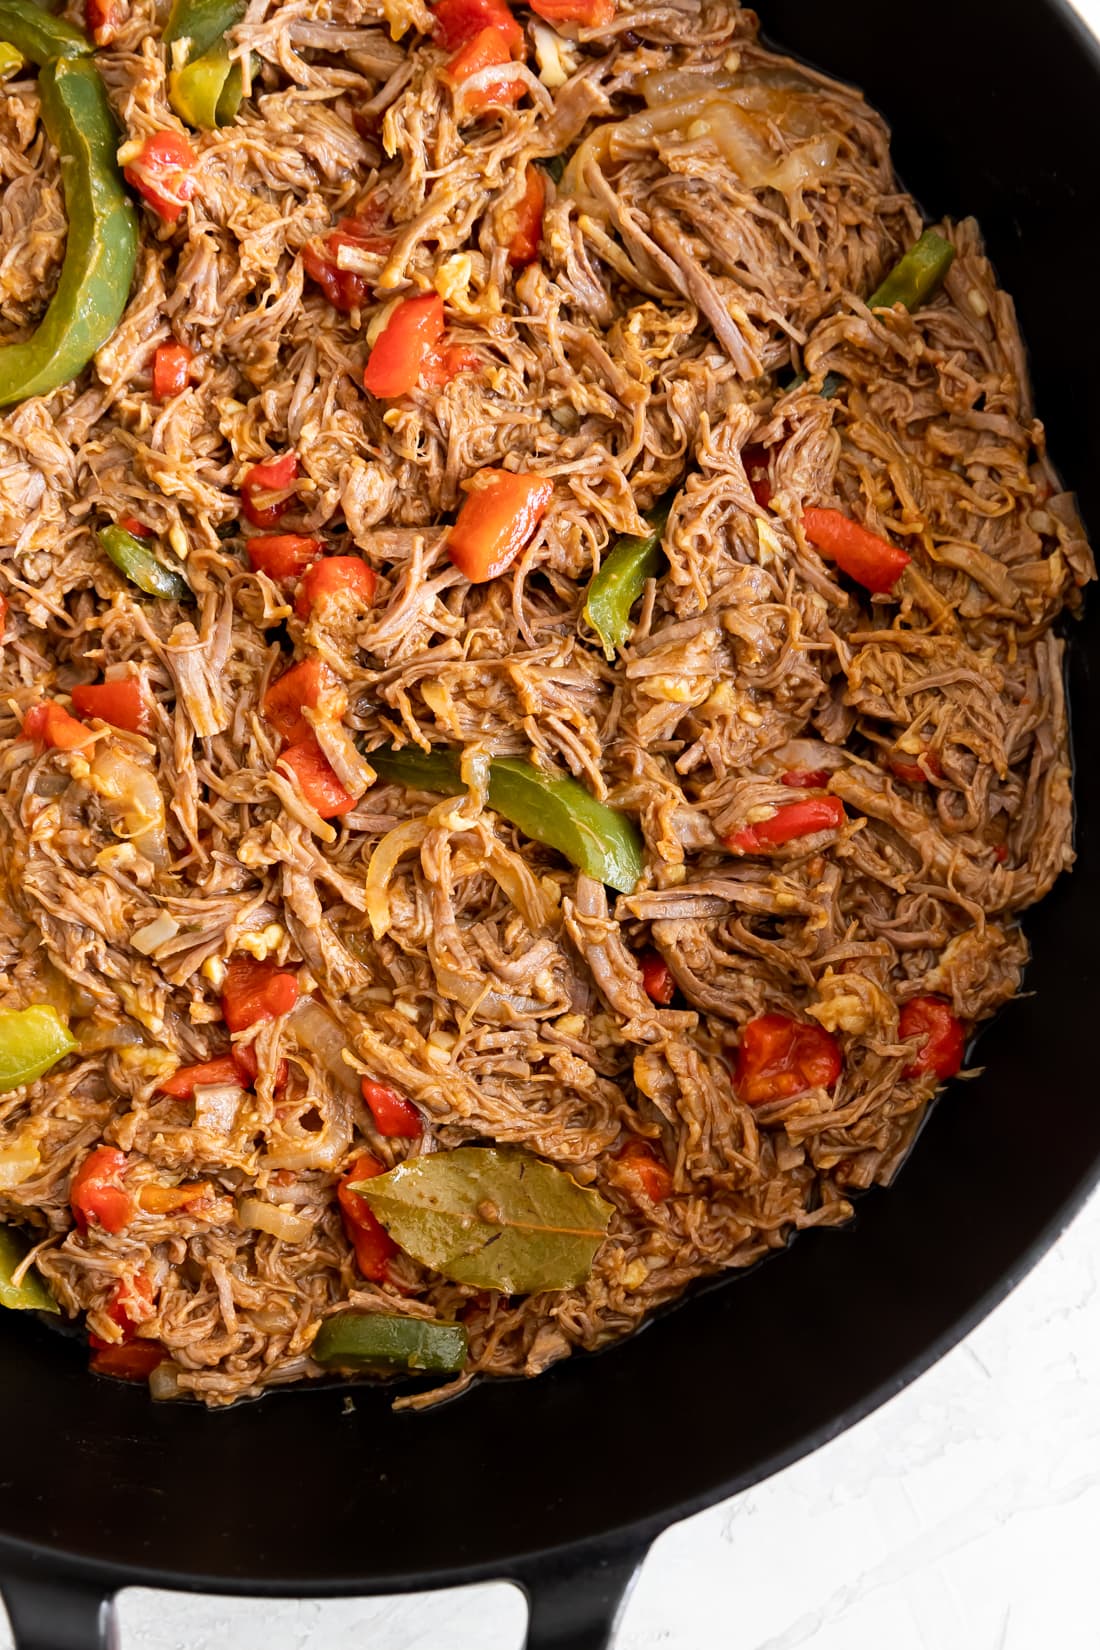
[996,111]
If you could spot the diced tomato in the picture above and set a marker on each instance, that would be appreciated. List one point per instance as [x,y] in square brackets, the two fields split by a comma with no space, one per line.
[316,779]
[121,703]
[944,1039]
[590,14]
[778,1058]
[169,1200]
[137,529]
[135,1361]
[345,289]
[392,1114]
[96,1195]
[101,20]
[457,21]
[161,172]
[304,685]
[523,226]
[865,557]
[487,50]
[806,779]
[283,555]
[332,574]
[648,1172]
[248,1066]
[794,819]
[916,773]
[266,489]
[372,1243]
[51,725]
[500,514]
[186,1079]
[657,979]
[445,362]
[171,370]
[254,990]
[755,460]
[404,346]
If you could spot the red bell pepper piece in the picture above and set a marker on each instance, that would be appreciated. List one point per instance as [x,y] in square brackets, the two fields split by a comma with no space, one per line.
[345,289]
[944,1038]
[50,724]
[101,20]
[755,460]
[254,991]
[121,703]
[457,21]
[283,555]
[524,226]
[498,518]
[393,1115]
[794,819]
[266,489]
[171,370]
[404,346]
[489,49]
[135,1361]
[918,772]
[170,1200]
[649,1173]
[657,980]
[316,779]
[131,524]
[130,1304]
[96,1195]
[162,173]
[186,1079]
[806,779]
[248,1067]
[865,557]
[303,685]
[368,1237]
[590,14]
[778,1058]
[332,574]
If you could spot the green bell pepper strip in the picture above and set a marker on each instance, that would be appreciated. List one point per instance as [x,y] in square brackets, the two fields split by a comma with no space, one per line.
[31,1295]
[102,240]
[11,60]
[559,813]
[195,91]
[201,23]
[31,1041]
[619,582]
[915,277]
[141,567]
[232,94]
[374,1340]
[39,36]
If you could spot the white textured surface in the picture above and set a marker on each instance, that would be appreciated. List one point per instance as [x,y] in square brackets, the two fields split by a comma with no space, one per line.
[964,1515]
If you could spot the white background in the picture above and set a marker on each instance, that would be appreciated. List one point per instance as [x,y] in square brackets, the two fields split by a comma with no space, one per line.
[964,1515]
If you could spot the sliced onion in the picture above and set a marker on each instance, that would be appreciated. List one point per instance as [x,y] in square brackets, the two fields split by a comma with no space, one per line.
[164,1384]
[157,932]
[324,1036]
[256,1215]
[132,795]
[217,1105]
[383,863]
[18,1163]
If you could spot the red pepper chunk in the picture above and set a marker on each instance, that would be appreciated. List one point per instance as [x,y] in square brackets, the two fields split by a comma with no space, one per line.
[332,574]
[283,555]
[794,819]
[304,685]
[916,773]
[130,1304]
[806,779]
[368,1237]
[120,703]
[865,557]
[657,980]
[755,460]
[590,14]
[487,50]
[162,173]
[131,524]
[96,1195]
[646,1170]
[51,725]
[523,226]
[171,370]
[457,21]
[265,489]
[101,20]
[316,779]
[133,1362]
[778,1058]
[254,991]
[944,1038]
[499,517]
[404,346]
[186,1079]
[345,289]
[248,1067]
[393,1115]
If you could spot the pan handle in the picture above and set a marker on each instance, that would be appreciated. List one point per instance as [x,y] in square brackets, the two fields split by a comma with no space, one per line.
[58,1615]
[576,1604]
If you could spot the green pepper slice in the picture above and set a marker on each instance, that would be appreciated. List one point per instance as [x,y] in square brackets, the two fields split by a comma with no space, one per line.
[915,277]
[39,36]
[201,23]
[31,1041]
[11,60]
[141,567]
[31,1295]
[559,813]
[102,240]
[374,1340]
[619,582]
[195,91]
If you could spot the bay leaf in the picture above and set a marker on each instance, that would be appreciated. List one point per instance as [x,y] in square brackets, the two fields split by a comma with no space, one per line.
[495,1218]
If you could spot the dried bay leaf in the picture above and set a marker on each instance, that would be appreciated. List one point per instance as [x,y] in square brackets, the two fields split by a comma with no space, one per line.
[493,1218]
